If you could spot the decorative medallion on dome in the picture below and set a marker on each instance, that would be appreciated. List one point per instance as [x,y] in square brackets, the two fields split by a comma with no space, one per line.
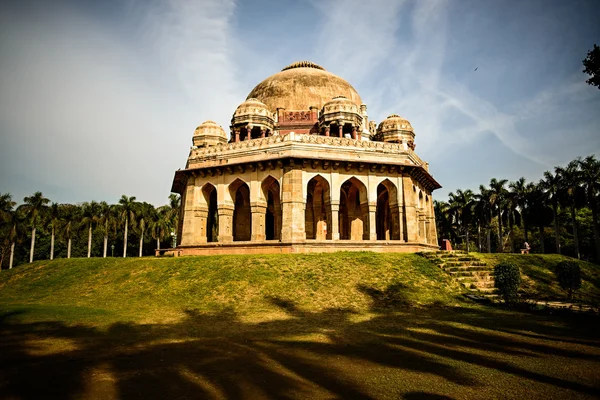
[303,64]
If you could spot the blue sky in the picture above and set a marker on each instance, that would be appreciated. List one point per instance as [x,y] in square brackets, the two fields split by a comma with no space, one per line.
[99,99]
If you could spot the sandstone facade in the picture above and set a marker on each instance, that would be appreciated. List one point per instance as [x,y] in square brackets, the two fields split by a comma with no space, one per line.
[317,177]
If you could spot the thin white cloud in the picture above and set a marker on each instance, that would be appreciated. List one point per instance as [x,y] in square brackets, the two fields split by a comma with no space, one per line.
[90,114]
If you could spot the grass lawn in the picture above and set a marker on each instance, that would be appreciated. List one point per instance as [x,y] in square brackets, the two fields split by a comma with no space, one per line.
[539,281]
[345,325]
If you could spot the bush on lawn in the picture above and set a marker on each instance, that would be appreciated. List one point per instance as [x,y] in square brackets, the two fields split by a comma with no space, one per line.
[568,274]
[507,278]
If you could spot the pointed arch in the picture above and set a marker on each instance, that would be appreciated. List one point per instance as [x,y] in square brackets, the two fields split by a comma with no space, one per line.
[209,192]
[242,215]
[354,210]
[387,214]
[317,216]
[271,192]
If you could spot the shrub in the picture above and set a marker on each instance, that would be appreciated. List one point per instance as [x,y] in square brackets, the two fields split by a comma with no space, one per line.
[568,274]
[507,279]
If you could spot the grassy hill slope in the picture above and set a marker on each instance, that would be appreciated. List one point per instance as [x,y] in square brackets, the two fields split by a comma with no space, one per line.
[539,281]
[158,289]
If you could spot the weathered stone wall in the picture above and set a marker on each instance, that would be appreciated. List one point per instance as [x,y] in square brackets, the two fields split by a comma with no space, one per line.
[345,201]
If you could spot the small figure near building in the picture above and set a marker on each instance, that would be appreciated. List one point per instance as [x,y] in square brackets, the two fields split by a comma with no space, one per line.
[526,248]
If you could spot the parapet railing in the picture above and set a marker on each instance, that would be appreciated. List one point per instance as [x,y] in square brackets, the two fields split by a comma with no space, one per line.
[201,153]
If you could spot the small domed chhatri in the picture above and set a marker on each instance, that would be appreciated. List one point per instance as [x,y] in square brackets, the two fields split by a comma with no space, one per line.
[395,129]
[304,170]
[209,134]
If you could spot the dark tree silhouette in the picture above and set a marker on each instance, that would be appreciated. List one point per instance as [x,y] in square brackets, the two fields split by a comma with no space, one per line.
[592,66]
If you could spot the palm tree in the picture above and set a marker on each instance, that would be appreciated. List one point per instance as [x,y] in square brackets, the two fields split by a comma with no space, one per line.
[551,185]
[512,215]
[497,199]
[89,217]
[108,221]
[54,216]
[443,219]
[34,208]
[127,213]
[590,176]
[570,191]
[483,213]
[70,216]
[145,217]
[161,226]
[462,203]
[519,191]
[6,225]
[174,211]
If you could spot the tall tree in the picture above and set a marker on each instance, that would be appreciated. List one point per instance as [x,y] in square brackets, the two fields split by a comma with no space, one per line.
[570,192]
[443,220]
[34,208]
[145,217]
[6,227]
[511,213]
[55,220]
[519,193]
[127,214]
[551,185]
[161,226]
[484,212]
[462,204]
[174,212]
[107,221]
[592,66]
[590,176]
[89,216]
[70,217]
[497,199]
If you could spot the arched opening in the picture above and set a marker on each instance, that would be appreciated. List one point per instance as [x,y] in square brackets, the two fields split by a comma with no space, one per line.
[212,218]
[420,205]
[317,217]
[383,214]
[271,192]
[242,216]
[354,211]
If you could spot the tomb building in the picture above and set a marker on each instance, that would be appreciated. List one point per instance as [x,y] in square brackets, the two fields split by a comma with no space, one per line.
[304,169]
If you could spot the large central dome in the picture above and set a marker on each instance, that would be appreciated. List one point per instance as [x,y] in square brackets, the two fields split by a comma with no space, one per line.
[302,85]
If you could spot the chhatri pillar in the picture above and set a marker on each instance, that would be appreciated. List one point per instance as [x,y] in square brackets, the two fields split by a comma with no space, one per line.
[293,206]
[225,213]
[259,212]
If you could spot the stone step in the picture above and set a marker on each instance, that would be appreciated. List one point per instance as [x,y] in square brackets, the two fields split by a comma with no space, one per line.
[484,284]
[468,268]
[470,273]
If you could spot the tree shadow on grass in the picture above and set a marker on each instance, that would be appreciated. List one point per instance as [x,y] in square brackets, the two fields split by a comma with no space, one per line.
[398,351]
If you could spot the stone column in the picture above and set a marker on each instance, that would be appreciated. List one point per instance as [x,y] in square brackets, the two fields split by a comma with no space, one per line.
[326,130]
[335,220]
[293,204]
[225,212]
[186,238]
[200,219]
[423,221]
[237,134]
[372,221]
[340,128]
[278,217]
[248,132]
[410,209]
[395,228]
[263,131]
[432,234]
[354,132]
[259,212]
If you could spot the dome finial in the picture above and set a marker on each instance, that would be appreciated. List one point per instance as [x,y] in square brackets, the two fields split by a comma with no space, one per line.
[303,64]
